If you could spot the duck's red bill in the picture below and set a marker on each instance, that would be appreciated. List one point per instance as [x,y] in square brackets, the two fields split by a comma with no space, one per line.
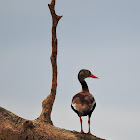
[93,76]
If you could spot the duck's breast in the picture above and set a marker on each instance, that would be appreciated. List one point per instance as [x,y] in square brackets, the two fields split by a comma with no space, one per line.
[83,103]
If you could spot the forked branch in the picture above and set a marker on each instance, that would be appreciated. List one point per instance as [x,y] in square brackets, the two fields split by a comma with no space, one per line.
[47,104]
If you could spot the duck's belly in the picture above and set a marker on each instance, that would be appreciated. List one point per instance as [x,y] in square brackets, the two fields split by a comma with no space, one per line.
[83,105]
[83,110]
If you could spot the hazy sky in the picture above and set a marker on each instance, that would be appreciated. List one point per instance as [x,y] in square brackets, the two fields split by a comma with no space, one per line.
[102,36]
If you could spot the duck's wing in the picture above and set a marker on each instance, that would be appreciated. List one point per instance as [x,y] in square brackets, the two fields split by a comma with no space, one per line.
[83,103]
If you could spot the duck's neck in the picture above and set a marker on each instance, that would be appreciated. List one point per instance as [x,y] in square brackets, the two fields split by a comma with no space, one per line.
[84,85]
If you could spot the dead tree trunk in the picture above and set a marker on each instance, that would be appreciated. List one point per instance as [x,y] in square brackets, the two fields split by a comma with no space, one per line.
[48,102]
[13,127]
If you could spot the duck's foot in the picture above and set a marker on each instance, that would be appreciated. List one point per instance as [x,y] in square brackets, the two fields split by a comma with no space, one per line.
[79,132]
[89,133]
[82,132]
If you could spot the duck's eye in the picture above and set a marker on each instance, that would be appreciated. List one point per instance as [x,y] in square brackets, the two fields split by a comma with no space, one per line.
[87,72]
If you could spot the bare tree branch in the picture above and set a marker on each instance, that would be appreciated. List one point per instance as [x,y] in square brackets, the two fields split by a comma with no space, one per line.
[47,104]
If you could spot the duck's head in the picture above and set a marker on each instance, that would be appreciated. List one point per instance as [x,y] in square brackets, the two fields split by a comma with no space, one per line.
[85,74]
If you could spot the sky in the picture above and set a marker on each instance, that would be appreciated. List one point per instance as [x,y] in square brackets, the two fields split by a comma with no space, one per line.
[102,36]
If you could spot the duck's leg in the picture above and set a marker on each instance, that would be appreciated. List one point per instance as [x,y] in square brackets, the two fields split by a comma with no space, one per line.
[89,125]
[81,125]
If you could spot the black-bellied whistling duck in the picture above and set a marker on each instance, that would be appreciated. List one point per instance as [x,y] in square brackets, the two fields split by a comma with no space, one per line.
[83,103]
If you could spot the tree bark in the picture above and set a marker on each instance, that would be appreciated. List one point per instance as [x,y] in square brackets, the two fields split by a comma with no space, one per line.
[13,127]
[47,104]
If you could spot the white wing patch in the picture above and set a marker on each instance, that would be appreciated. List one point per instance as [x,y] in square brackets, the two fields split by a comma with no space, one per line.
[74,106]
[93,104]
